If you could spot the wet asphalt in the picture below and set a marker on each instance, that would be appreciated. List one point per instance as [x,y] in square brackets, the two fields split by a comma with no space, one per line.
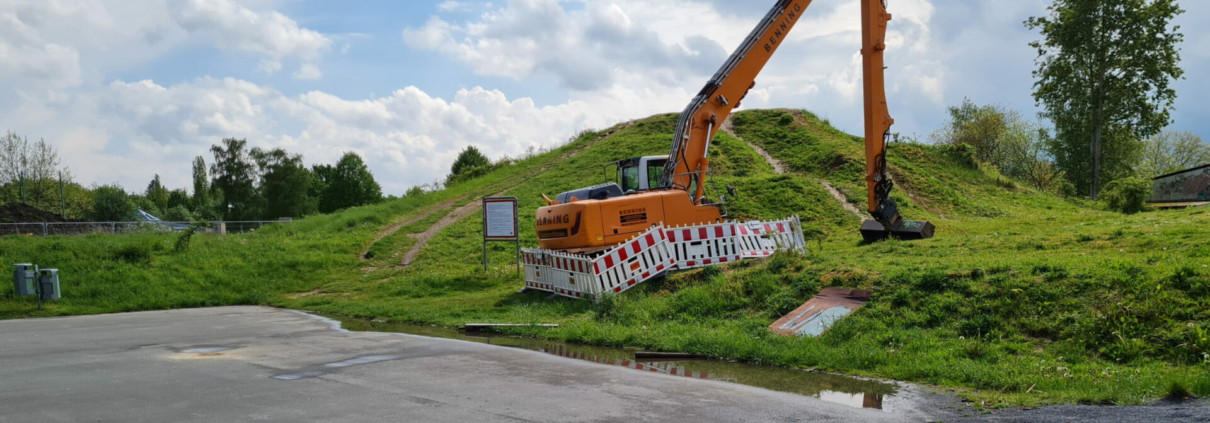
[262,364]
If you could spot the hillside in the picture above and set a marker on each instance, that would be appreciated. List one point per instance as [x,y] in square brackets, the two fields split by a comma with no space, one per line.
[1022,297]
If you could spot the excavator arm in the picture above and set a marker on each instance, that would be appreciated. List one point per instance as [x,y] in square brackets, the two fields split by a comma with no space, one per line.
[688,159]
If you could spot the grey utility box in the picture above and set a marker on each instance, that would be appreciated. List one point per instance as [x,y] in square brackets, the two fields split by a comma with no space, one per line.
[23,279]
[48,284]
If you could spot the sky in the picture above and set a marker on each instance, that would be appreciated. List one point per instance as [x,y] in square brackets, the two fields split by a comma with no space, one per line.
[127,89]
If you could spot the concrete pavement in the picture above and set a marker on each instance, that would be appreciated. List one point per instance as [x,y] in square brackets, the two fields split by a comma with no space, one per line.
[262,364]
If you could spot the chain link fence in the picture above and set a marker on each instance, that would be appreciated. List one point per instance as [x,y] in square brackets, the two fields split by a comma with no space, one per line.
[121,228]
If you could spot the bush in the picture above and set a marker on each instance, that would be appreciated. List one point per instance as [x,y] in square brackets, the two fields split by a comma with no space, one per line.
[178,214]
[135,253]
[469,159]
[1127,195]
[1062,187]
[785,120]
[963,154]
[110,203]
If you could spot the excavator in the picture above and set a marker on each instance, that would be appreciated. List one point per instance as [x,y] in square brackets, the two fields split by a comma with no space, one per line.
[671,190]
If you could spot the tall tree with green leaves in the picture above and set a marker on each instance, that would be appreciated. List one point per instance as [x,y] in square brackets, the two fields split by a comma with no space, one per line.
[201,185]
[348,184]
[1173,151]
[1104,75]
[285,183]
[157,194]
[235,175]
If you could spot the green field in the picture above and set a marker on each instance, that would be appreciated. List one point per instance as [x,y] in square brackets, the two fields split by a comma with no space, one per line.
[1022,297]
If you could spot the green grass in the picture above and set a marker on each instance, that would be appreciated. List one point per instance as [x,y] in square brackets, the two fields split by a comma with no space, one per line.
[1023,298]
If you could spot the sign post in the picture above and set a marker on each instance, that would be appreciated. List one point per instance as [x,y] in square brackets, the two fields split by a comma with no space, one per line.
[500,225]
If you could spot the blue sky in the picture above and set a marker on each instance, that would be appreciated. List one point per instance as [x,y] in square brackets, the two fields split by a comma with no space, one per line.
[131,88]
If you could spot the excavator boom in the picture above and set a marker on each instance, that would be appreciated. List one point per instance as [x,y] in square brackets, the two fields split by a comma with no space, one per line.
[688,159]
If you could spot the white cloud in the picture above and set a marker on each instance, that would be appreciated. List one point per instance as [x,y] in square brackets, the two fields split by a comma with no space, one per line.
[270,66]
[237,28]
[453,6]
[26,56]
[614,60]
[581,48]
[308,72]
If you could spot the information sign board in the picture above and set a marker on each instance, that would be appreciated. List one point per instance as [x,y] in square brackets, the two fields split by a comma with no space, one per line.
[500,224]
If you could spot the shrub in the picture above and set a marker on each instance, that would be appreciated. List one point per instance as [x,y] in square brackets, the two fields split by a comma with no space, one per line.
[178,214]
[962,154]
[135,253]
[1062,187]
[1127,195]
[785,120]
[110,203]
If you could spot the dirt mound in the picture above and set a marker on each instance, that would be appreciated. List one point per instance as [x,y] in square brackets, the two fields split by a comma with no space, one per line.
[24,213]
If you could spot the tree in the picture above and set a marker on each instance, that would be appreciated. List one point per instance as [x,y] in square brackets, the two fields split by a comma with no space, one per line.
[235,175]
[178,198]
[285,183]
[201,184]
[1000,137]
[978,127]
[348,184]
[1172,151]
[34,165]
[111,204]
[1103,78]
[469,159]
[157,194]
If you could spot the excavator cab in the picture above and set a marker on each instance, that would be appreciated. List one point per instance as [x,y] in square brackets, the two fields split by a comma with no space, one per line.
[639,174]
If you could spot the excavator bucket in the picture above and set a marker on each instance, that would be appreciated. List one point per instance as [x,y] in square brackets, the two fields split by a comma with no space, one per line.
[909,230]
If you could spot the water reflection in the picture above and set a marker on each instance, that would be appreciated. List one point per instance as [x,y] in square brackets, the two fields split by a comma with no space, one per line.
[837,389]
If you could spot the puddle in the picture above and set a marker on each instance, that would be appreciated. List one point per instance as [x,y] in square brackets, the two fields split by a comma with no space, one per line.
[205,350]
[361,360]
[297,376]
[852,392]
[323,369]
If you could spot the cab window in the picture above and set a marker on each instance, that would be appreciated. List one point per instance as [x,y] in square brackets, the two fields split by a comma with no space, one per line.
[630,178]
[655,171]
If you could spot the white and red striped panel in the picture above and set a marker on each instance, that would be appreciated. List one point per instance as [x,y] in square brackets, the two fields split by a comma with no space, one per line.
[704,245]
[762,239]
[655,252]
[569,275]
[535,269]
[635,261]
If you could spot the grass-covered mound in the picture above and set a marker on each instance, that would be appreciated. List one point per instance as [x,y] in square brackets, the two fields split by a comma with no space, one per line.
[1023,296]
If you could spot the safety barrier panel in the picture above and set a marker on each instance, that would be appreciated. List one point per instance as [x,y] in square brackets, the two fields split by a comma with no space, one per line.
[705,245]
[762,239]
[571,275]
[655,252]
[635,261]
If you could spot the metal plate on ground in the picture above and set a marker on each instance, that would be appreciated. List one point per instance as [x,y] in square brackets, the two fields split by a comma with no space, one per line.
[818,314]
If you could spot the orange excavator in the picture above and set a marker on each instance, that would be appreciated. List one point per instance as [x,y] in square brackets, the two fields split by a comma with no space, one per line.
[671,190]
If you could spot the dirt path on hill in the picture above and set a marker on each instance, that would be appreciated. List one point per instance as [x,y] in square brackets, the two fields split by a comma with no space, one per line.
[449,219]
[780,169]
[778,166]
[396,227]
[470,208]
[844,201]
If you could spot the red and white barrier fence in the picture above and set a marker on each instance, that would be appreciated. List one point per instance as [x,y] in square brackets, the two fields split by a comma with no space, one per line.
[655,252]
[705,245]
